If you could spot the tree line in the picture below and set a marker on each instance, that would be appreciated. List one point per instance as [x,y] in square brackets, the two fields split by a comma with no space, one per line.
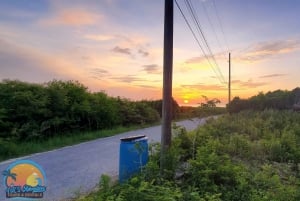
[39,111]
[279,99]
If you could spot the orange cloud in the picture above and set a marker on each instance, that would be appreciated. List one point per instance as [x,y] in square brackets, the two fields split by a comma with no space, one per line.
[202,59]
[197,60]
[73,17]
[204,87]
[99,37]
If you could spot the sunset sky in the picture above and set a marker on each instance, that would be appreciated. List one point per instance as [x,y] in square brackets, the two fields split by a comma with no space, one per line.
[116,46]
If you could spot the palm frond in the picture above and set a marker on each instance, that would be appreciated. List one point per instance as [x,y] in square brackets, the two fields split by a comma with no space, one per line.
[6,172]
[13,177]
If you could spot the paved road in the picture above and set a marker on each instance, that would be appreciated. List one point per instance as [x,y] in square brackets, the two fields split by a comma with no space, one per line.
[77,169]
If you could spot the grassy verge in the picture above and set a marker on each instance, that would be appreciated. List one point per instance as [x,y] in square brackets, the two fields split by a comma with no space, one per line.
[17,149]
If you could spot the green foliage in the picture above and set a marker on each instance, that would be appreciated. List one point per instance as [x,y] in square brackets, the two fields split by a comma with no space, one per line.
[209,107]
[278,99]
[37,112]
[250,156]
[210,170]
[139,112]
[157,105]
[136,189]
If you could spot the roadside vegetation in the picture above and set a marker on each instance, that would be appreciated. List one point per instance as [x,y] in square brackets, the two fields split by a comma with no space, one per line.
[279,99]
[249,156]
[41,117]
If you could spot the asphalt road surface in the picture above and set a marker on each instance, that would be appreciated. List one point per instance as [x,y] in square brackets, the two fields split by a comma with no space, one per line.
[77,169]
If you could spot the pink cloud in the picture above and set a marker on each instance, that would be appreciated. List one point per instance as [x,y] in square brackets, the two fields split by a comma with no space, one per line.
[99,37]
[73,17]
[151,69]
[264,50]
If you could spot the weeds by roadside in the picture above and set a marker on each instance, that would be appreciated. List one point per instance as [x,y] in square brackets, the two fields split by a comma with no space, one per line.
[251,156]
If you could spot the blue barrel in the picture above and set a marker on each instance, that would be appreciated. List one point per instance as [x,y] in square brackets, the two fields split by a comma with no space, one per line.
[133,156]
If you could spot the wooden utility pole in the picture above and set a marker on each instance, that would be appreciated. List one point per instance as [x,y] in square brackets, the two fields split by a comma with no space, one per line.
[229,81]
[167,83]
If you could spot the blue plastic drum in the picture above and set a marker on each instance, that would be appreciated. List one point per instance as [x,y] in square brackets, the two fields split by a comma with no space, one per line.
[133,156]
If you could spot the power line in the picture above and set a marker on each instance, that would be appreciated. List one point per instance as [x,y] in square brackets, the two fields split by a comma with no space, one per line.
[200,31]
[213,28]
[196,20]
[220,22]
[204,53]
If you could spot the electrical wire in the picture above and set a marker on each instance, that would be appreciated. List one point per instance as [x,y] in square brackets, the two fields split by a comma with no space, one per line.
[220,22]
[198,42]
[213,28]
[201,33]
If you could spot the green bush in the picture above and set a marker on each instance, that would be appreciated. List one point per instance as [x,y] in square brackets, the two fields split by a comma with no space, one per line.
[40,111]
